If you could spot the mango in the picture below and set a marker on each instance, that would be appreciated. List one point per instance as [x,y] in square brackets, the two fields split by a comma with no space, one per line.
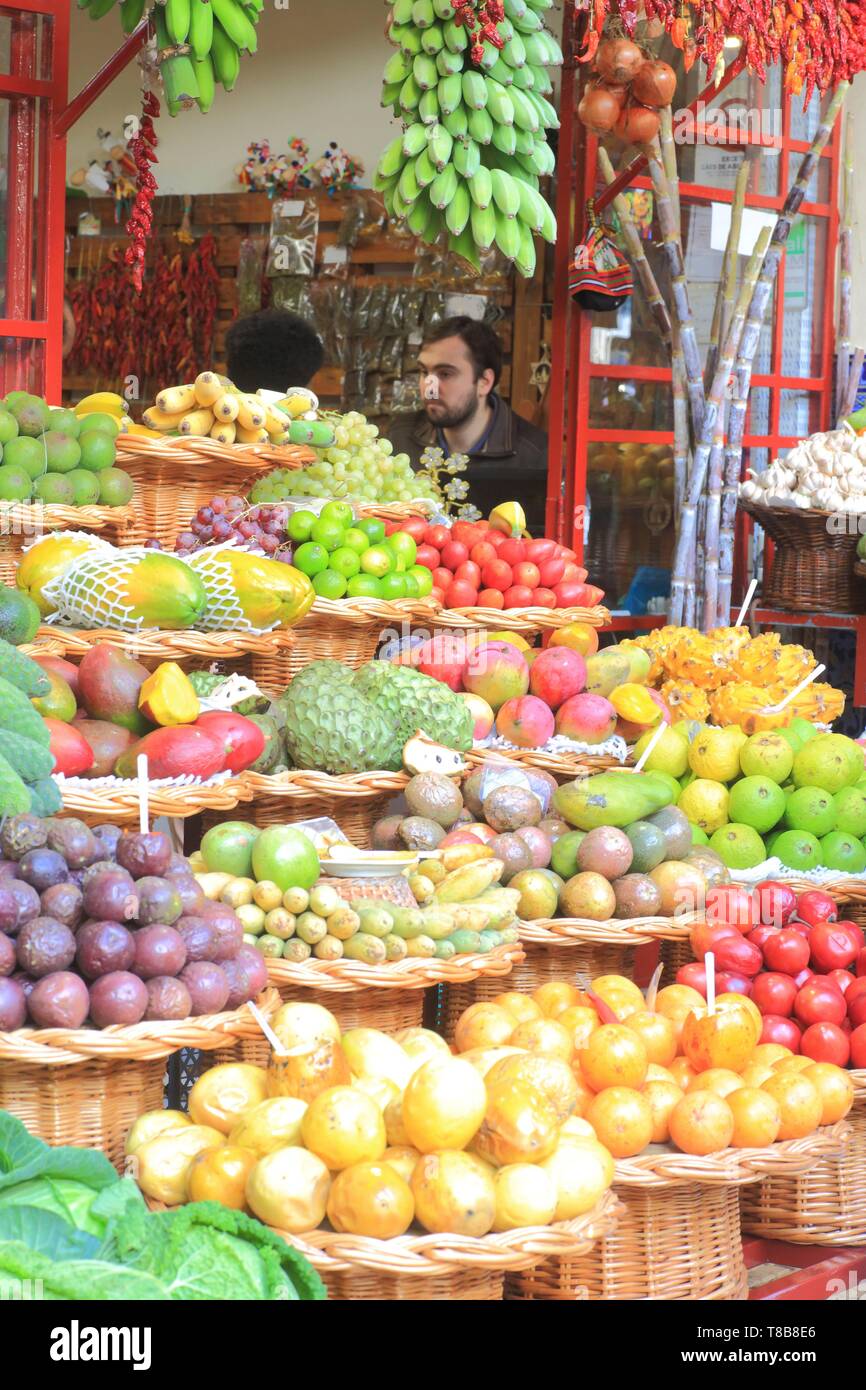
[606,670]
[167,697]
[639,662]
[59,702]
[634,703]
[109,683]
[178,752]
[609,798]
[270,594]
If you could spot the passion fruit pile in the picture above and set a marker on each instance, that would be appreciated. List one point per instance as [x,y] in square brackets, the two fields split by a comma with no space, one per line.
[110,927]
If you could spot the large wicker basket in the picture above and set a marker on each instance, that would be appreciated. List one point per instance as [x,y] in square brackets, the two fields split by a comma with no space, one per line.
[355,801]
[678,1235]
[813,562]
[174,477]
[118,801]
[86,1086]
[825,1205]
[23,523]
[523,620]
[236,651]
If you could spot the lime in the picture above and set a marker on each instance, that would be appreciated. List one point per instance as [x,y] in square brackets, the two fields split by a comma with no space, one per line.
[97,449]
[831,761]
[812,809]
[850,804]
[758,802]
[843,852]
[688,728]
[791,737]
[804,729]
[54,489]
[115,487]
[669,784]
[404,547]
[393,586]
[26,453]
[423,577]
[739,846]
[364,586]
[356,540]
[410,584]
[705,803]
[16,485]
[329,584]
[8,426]
[670,753]
[62,450]
[798,849]
[310,559]
[377,561]
[32,415]
[699,837]
[300,524]
[98,420]
[338,513]
[373,529]
[345,561]
[64,420]
[85,487]
[767,755]
[328,534]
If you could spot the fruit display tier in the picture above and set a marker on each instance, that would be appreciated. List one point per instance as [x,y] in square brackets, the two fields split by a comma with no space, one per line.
[562,764]
[173,478]
[86,1086]
[347,630]
[825,1205]
[678,1235]
[247,652]
[522,620]
[115,799]
[444,1266]
[389,997]
[22,523]
[355,801]
[812,569]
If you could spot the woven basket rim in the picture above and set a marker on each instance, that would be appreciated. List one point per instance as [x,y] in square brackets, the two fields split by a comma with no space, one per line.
[522,619]
[573,931]
[667,1167]
[347,976]
[137,1042]
[122,803]
[369,612]
[42,645]
[565,764]
[55,516]
[850,888]
[858,1077]
[807,513]
[151,641]
[305,784]
[142,449]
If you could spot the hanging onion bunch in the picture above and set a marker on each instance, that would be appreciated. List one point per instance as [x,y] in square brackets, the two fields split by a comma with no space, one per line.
[628,90]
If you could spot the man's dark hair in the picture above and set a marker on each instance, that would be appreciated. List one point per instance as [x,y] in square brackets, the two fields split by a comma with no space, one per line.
[481,342]
[272,349]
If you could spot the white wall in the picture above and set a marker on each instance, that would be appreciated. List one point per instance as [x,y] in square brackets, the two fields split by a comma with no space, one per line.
[316,75]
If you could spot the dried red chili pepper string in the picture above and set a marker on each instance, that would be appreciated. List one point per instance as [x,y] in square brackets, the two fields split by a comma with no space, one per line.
[142,148]
[480,24]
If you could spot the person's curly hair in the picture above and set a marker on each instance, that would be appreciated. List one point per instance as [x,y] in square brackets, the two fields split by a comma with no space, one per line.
[273,349]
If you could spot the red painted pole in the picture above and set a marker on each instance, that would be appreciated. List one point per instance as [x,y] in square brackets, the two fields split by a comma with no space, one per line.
[128,50]
[565,174]
[18,362]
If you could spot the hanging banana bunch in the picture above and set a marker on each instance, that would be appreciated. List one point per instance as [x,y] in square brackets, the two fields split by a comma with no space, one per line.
[471,89]
[199,42]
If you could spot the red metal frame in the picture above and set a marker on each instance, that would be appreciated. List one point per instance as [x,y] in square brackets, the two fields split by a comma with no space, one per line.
[812,1269]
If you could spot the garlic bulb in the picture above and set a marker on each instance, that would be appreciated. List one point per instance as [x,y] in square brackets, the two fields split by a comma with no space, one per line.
[827,471]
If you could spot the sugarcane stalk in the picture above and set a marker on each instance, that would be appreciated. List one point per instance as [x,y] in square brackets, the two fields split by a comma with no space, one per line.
[846,232]
[712,523]
[669,161]
[751,333]
[687,535]
[635,248]
[727,286]
[681,422]
[679,285]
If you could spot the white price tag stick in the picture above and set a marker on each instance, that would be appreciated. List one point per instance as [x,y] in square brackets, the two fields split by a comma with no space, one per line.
[268,1031]
[650,746]
[710,964]
[747,603]
[143,817]
[653,988]
[812,676]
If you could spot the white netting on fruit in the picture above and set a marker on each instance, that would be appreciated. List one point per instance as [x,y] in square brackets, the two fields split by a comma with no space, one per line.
[89,591]
[224,612]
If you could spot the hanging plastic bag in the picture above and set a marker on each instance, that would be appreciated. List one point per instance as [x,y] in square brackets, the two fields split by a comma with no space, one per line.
[599,276]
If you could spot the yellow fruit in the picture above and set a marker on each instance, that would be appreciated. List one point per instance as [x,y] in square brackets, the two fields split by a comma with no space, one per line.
[163,1162]
[454,1192]
[550,1075]
[575,1127]
[394,1126]
[520,1125]
[220,1175]
[696,658]
[153,1123]
[380,1091]
[715,755]
[582,1171]
[288,1189]
[483,1058]
[373,1054]
[521,1007]
[308,1070]
[402,1158]
[685,700]
[343,1126]
[222,1095]
[272,1124]
[443,1105]
[483,1025]
[544,1035]
[371,1199]
[705,803]
[510,518]
[422,1045]
[302,1023]
[525,1196]
[662,1097]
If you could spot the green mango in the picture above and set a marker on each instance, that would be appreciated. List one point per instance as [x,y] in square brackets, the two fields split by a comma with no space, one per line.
[610,798]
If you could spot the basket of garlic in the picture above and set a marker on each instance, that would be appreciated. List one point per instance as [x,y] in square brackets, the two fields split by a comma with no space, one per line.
[812,505]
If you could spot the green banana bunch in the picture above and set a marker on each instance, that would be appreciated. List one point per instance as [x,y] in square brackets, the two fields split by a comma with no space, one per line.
[467,165]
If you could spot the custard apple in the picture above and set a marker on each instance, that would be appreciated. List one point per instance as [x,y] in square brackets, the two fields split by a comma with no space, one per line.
[331,727]
[410,700]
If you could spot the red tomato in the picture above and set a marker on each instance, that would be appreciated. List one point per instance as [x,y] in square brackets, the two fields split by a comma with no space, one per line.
[704,937]
[454,554]
[70,750]
[391,527]
[552,572]
[855,932]
[734,906]
[491,598]
[820,1002]
[831,948]
[843,980]
[427,555]
[469,533]
[469,573]
[857,1043]
[728,982]
[801,928]
[528,574]
[496,538]
[540,551]
[482,554]
[543,598]
[774,993]
[569,594]
[242,740]
[856,990]
[787,951]
[861,962]
[777,902]
[856,1010]
[518,596]
[438,596]
[803,977]
[760,935]
[512,552]
[416,527]
[815,906]
[437,536]
[497,575]
[459,594]
[442,577]
[737,954]
[780,1030]
[695,975]
[825,1042]
[574,573]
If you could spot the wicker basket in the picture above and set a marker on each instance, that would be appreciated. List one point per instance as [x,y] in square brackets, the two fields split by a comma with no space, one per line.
[813,564]
[523,620]
[190,650]
[118,800]
[562,765]
[174,477]
[22,524]
[355,801]
[678,1236]
[86,1087]
[399,511]
[672,955]
[824,1206]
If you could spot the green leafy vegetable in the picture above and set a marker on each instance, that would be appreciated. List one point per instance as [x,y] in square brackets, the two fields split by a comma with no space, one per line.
[46,1234]
[23,1157]
[80,1279]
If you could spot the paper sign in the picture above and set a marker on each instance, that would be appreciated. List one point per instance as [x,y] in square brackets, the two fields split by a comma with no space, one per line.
[335,255]
[472,305]
[753,224]
[289,208]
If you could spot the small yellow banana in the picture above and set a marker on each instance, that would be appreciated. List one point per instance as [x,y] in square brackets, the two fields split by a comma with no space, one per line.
[250,436]
[140,431]
[224,433]
[276,422]
[102,402]
[226,406]
[208,387]
[176,398]
[197,422]
[157,419]
[252,413]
